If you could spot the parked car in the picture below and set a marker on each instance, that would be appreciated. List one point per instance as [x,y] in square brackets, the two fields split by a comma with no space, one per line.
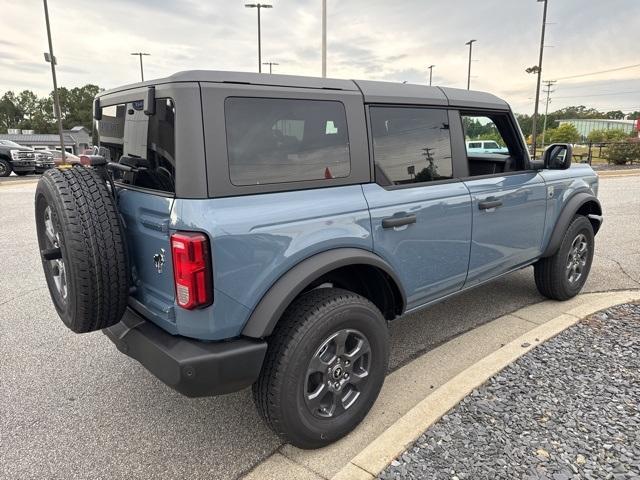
[262,230]
[16,158]
[44,161]
[485,146]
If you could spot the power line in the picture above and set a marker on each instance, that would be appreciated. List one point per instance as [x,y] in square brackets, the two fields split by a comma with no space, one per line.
[601,71]
[600,94]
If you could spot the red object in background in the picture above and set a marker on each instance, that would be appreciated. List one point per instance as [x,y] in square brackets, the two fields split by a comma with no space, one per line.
[327,173]
[638,124]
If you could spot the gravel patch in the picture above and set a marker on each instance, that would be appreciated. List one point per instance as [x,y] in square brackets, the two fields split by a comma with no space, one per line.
[568,409]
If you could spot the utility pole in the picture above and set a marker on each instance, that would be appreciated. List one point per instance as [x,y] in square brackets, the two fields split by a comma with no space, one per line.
[271,64]
[324,38]
[535,111]
[546,108]
[56,98]
[430,67]
[470,43]
[141,54]
[259,6]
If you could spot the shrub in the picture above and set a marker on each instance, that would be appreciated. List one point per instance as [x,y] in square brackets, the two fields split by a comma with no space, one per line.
[620,153]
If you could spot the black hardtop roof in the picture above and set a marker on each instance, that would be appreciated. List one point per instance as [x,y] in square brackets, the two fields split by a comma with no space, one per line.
[372,91]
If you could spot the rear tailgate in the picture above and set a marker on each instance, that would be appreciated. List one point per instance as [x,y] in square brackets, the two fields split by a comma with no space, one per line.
[146,223]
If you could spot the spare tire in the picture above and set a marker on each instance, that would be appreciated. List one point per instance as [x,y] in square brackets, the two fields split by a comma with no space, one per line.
[83,249]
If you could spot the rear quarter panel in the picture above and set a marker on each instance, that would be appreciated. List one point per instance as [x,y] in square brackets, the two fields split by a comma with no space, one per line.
[257,238]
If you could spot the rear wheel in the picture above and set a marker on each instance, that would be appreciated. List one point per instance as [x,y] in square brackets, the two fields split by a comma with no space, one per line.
[326,363]
[563,275]
[5,168]
[82,248]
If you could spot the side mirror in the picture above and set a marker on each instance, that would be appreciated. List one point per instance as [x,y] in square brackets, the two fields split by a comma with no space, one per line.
[558,156]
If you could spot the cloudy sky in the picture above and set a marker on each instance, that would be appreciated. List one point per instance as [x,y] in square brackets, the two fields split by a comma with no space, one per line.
[374,39]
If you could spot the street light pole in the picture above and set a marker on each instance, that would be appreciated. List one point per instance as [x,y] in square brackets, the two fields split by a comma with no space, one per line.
[470,43]
[430,67]
[56,98]
[140,54]
[271,64]
[259,6]
[535,108]
[546,109]
[324,38]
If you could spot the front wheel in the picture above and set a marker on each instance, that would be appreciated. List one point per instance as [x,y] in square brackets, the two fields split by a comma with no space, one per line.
[325,366]
[5,168]
[563,275]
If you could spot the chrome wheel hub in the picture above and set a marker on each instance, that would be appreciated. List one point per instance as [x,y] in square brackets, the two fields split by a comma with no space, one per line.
[577,258]
[58,269]
[336,373]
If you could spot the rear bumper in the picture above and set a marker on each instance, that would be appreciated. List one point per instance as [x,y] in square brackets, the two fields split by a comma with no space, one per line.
[192,367]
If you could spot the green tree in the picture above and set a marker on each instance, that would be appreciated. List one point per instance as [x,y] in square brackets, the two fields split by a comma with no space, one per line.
[615,115]
[77,105]
[565,133]
[10,113]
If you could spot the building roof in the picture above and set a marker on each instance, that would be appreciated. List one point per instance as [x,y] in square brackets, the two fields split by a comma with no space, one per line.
[593,120]
[373,91]
[37,138]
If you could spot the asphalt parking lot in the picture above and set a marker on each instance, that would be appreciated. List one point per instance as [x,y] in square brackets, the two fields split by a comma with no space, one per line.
[74,407]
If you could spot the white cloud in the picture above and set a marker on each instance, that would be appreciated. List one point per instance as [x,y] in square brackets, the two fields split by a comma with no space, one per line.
[373,39]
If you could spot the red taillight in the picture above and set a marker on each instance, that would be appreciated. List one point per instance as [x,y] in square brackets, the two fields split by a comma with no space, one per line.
[191,269]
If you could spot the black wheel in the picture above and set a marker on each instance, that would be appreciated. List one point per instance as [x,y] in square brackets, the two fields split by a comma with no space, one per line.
[23,174]
[563,275]
[5,168]
[82,248]
[325,365]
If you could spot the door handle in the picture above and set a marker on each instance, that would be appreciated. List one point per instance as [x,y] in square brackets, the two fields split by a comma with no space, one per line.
[489,202]
[398,221]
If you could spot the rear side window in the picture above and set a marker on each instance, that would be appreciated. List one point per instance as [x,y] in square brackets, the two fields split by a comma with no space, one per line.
[144,142]
[410,145]
[273,140]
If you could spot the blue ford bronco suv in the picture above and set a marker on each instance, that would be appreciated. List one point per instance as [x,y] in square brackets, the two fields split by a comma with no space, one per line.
[241,229]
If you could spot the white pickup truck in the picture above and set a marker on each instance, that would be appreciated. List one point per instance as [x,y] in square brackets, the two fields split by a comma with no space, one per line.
[485,146]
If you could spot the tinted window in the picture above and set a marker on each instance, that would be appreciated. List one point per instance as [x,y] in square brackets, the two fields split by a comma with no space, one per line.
[280,140]
[144,142]
[410,145]
[501,152]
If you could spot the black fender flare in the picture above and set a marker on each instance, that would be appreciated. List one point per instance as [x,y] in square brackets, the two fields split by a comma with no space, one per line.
[570,209]
[275,301]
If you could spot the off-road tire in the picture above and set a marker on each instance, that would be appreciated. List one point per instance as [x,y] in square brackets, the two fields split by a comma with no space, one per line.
[92,246]
[5,168]
[279,391]
[551,273]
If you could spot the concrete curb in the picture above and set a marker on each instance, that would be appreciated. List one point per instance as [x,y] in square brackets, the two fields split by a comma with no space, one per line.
[379,453]
[395,422]
[618,173]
